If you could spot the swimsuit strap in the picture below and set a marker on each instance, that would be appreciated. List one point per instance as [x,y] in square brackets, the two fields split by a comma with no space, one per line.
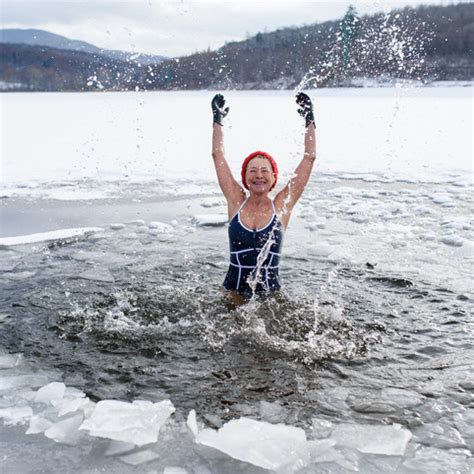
[274,210]
[242,205]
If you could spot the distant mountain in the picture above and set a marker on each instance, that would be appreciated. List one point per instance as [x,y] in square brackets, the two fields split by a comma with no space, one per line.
[40,68]
[423,44]
[35,37]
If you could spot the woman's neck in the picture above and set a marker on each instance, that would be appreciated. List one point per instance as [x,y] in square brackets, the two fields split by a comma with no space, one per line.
[258,199]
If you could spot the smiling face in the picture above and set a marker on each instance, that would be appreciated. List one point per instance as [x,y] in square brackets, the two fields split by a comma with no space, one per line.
[259,175]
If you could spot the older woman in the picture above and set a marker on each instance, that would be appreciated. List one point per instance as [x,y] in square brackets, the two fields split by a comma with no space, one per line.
[256,222]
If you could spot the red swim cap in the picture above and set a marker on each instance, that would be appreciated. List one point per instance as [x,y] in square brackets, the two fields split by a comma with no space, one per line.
[263,155]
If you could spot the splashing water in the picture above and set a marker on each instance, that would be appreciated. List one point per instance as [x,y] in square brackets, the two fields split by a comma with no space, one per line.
[388,46]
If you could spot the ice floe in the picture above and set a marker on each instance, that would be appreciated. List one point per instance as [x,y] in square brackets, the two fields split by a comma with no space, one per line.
[51,393]
[452,240]
[262,444]
[138,422]
[117,226]
[56,235]
[211,220]
[390,440]
[213,202]
[160,227]
[8,361]
[174,470]
[16,415]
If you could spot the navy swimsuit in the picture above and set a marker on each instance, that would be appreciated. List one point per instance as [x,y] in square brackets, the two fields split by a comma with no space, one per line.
[245,248]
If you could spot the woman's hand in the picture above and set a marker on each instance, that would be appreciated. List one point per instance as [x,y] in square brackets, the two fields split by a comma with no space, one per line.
[306,107]
[218,110]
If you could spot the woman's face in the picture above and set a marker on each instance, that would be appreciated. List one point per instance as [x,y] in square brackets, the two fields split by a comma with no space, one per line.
[259,175]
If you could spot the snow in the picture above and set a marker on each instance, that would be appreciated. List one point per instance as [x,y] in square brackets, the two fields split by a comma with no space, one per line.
[262,444]
[56,235]
[120,160]
[138,422]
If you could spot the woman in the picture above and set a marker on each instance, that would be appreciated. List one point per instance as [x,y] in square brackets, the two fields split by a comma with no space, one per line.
[256,222]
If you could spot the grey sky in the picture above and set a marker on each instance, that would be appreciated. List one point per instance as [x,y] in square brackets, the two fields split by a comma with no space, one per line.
[177,27]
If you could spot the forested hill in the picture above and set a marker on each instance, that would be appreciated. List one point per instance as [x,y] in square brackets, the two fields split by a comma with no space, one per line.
[426,43]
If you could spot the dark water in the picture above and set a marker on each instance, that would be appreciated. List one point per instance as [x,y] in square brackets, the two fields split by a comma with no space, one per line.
[341,342]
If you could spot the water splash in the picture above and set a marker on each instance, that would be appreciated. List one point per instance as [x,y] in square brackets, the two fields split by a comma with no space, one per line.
[387,47]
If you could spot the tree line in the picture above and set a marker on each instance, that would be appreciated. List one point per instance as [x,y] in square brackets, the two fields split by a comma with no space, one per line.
[426,43]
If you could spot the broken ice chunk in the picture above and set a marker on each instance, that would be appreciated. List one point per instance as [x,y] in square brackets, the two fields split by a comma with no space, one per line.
[271,411]
[390,440]
[160,227]
[16,415]
[138,422]
[192,423]
[117,226]
[319,449]
[141,457]
[65,431]
[174,470]
[260,443]
[38,425]
[17,381]
[8,361]
[118,447]
[69,406]
[321,428]
[210,220]
[51,393]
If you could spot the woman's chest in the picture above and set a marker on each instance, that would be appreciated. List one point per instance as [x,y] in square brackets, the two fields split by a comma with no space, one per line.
[256,220]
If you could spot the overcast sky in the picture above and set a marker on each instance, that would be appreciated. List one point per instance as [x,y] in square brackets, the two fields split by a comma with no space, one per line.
[179,27]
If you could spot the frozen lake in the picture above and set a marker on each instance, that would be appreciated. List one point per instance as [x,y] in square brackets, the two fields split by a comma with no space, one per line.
[111,287]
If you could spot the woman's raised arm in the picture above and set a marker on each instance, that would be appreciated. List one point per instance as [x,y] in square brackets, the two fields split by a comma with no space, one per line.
[289,195]
[233,191]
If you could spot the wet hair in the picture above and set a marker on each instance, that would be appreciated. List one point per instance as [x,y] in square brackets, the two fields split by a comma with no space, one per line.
[259,154]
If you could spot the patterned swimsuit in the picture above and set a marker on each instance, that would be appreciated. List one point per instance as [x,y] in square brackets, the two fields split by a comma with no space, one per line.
[245,248]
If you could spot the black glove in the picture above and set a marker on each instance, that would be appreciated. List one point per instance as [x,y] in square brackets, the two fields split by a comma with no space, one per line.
[218,110]
[306,105]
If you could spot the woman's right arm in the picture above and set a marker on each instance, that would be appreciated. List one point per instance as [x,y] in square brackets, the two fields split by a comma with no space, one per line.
[233,191]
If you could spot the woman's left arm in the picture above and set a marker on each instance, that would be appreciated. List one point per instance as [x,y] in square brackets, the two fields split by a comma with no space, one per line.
[289,195]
